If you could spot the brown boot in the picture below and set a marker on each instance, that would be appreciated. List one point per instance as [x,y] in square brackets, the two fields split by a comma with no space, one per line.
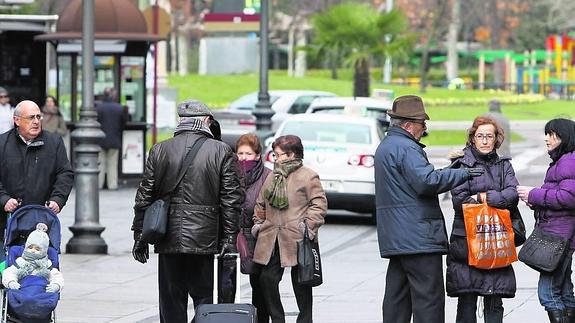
[555,316]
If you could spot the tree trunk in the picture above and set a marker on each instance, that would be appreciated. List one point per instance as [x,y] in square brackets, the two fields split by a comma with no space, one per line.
[361,78]
[300,56]
[333,59]
[452,58]
[424,67]
[290,50]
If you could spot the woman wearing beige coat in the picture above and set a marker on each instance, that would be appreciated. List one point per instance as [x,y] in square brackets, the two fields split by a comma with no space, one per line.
[291,198]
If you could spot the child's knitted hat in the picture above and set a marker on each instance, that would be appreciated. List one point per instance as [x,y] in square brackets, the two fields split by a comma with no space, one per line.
[39,237]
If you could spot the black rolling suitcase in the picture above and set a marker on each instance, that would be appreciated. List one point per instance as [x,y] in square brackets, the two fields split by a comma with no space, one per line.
[226,313]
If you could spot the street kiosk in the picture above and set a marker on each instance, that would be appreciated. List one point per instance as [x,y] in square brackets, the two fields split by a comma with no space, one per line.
[121,43]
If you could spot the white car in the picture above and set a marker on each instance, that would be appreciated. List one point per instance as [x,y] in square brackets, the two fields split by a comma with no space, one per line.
[341,150]
[237,119]
[360,106]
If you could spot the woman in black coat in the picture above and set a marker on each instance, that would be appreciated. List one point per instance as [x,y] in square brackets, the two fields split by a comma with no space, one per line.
[499,184]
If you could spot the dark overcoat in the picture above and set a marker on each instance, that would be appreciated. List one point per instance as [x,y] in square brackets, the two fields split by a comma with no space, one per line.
[34,173]
[206,205]
[409,218]
[462,278]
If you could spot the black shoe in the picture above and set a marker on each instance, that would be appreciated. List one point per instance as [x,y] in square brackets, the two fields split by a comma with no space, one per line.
[569,315]
[555,316]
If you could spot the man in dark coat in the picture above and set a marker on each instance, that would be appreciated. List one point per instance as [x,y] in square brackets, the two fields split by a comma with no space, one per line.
[203,215]
[410,225]
[112,119]
[34,164]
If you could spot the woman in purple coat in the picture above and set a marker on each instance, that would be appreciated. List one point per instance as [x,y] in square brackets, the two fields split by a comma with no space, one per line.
[499,183]
[554,205]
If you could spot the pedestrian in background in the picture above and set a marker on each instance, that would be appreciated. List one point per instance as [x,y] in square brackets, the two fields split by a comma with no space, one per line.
[554,203]
[410,225]
[291,199]
[254,174]
[112,119]
[203,213]
[463,281]
[53,120]
[35,167]
[6,111]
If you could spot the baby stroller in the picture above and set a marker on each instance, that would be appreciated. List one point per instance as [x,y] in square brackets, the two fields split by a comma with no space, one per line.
[15,307]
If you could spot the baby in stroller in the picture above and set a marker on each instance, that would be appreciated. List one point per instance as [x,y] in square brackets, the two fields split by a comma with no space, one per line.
[33,282]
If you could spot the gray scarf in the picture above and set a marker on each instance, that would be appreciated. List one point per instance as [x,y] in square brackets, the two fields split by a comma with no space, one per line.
[192,124]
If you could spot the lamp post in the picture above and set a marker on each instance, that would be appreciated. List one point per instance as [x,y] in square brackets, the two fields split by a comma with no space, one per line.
[86,228]
[263,111]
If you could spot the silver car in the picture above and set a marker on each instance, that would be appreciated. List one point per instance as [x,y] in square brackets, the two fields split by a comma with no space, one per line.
[341,150]
[237,119]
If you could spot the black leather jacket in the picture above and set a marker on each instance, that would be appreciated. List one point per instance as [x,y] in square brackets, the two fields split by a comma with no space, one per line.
[207,202]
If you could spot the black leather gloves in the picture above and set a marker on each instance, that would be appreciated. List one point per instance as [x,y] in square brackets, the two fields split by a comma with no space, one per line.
[228,245]
[140,251]
[474,172]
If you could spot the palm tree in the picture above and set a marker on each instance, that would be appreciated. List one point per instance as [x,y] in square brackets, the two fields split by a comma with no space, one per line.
[360,34]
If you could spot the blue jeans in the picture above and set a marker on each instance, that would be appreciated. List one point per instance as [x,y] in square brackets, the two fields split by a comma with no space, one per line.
[555,289]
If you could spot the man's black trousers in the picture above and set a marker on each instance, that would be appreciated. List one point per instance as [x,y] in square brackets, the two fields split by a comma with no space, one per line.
[414,285]
[180,275]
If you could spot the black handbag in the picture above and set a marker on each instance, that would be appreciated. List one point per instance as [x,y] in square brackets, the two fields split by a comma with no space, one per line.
[155,222]
[543,251]
[309,261]
[519,232]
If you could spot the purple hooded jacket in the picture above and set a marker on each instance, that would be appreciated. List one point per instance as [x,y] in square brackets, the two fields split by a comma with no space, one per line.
[555,200]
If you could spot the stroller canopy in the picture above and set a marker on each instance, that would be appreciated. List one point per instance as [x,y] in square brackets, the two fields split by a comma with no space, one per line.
[24,220]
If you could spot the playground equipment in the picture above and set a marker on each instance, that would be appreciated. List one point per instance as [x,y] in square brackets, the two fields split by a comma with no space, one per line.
[547,71]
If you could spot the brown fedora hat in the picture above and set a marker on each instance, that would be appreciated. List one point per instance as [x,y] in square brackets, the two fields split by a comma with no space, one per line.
[408,107]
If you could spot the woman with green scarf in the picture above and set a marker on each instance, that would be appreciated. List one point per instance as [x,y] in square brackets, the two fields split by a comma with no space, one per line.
[290,199]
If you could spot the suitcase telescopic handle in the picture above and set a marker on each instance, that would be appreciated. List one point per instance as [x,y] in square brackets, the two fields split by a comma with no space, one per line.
[217,275]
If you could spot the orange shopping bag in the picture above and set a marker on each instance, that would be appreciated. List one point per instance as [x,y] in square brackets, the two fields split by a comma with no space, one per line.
[489,236]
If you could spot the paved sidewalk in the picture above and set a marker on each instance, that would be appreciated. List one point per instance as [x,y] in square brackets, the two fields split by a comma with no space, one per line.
[115,288]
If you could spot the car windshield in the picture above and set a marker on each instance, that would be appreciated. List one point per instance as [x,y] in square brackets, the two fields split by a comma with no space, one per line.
[329,132]
[355,110]
[248,102]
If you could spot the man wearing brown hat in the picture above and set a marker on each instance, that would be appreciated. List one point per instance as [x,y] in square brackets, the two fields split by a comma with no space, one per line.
[410,226]
[203,213]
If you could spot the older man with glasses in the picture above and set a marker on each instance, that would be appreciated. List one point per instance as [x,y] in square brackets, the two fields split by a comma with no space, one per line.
[6,111]
[35,167]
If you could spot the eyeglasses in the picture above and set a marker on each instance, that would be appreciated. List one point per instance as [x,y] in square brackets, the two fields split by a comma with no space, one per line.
[38,117]
[276,156]
[482,137]
[421,122]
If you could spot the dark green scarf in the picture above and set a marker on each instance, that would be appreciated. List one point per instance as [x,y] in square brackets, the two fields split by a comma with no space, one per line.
[277,195]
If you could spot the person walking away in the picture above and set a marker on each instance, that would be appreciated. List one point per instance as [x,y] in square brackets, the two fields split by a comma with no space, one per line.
[410,225]
[112,120]
[254,174]
[6,111]
[203,213]
[553,203]
[53,120]
[290,199]
[499,183]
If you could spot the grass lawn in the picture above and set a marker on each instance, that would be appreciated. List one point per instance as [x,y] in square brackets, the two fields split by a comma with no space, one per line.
[219,91]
